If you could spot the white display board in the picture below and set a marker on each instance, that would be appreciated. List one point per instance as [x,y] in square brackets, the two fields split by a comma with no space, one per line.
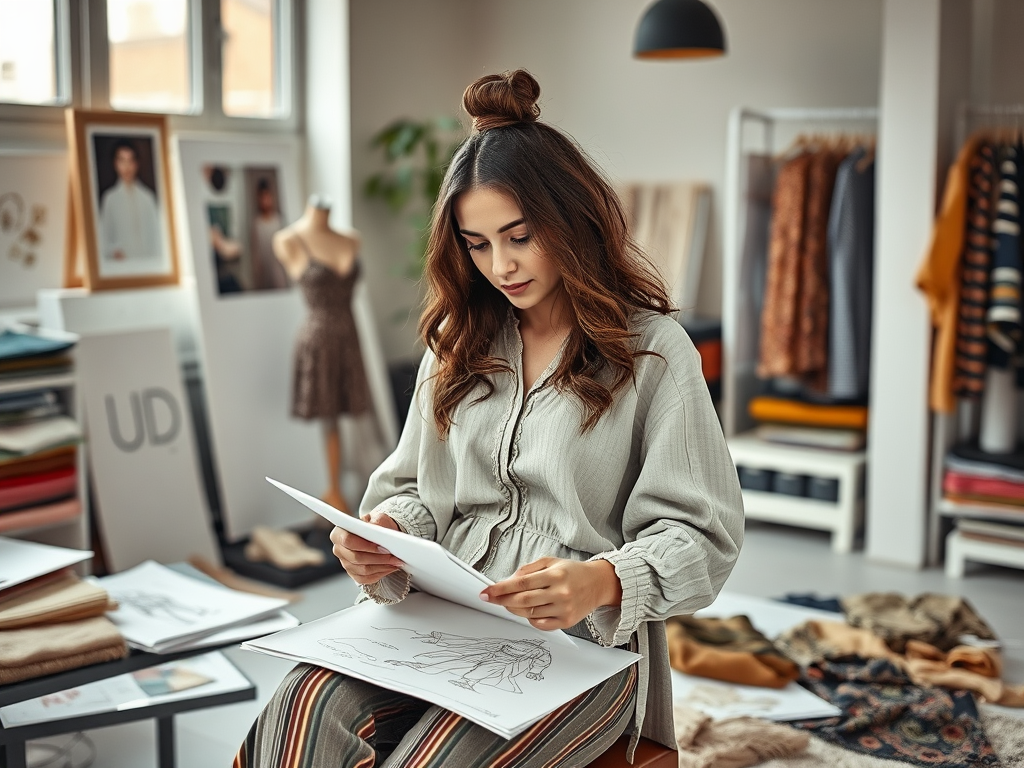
[142,454]
[247,334]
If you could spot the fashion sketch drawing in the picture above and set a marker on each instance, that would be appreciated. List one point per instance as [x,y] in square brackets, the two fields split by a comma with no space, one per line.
[473,661]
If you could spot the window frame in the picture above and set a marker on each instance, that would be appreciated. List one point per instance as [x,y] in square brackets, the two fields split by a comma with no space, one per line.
[81,38]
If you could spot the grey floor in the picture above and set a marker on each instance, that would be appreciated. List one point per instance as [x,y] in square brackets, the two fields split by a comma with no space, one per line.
[775,560]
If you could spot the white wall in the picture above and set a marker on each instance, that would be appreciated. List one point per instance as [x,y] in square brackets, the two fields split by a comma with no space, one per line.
[639,120]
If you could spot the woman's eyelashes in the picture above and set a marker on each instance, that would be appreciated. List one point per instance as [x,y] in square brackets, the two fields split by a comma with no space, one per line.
[471,247]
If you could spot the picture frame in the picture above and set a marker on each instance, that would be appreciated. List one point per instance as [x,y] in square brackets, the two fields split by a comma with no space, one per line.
[33,225]
[120,201]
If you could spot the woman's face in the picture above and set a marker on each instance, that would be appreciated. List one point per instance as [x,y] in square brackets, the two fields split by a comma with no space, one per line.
[503,249]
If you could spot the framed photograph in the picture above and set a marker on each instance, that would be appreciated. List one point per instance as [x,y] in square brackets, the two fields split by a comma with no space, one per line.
[121,201]
[33,206]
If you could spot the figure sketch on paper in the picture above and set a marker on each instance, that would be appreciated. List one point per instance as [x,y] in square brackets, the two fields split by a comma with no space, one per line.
[728,698]
[487,661]
[358,648]
[161,606]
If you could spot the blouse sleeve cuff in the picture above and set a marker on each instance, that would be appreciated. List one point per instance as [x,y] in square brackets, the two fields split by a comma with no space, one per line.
[613,626]
[410,517]
[393,588]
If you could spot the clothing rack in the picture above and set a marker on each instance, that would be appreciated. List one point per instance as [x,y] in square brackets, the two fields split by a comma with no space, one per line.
[739,348]
[949,428]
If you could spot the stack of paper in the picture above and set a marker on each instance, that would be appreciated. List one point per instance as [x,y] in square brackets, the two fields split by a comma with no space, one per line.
[29,564]
[162,611]
[207,675]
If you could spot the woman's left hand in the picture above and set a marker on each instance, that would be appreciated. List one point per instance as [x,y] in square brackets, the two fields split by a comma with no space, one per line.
[556,594]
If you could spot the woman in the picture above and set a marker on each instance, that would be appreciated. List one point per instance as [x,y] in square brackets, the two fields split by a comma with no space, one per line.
[562,441]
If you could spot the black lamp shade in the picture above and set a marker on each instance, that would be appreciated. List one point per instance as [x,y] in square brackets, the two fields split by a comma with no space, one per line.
[679,29]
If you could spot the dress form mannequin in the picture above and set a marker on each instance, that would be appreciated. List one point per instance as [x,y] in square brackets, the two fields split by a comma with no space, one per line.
[329,374]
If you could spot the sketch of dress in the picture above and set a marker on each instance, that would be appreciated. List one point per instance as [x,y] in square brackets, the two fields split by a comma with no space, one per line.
[161,606]
[488,661]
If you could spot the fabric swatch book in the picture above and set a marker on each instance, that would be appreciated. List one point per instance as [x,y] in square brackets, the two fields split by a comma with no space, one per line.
[462,654]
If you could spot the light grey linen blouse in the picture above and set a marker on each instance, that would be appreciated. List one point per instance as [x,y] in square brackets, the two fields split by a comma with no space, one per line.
[651,488]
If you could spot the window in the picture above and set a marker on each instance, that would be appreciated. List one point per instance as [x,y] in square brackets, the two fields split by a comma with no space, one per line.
[249,57]
[149,55]
[28,53]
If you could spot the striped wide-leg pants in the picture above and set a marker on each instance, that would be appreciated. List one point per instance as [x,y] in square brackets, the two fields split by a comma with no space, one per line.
[322,719]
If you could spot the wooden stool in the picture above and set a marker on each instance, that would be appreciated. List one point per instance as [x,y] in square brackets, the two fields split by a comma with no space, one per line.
[649,754]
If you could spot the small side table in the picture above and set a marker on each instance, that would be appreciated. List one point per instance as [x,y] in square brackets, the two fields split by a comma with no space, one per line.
[12,740]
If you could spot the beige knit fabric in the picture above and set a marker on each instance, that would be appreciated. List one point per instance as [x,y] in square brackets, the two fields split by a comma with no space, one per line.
[44,650]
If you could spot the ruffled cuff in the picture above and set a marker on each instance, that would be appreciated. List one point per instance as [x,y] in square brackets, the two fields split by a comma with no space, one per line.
[612,626]
[409,516]
[393,588]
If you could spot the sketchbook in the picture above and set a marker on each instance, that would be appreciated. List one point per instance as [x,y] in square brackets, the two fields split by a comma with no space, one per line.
[432,568]
[22,561]
[500,675]
[160,610]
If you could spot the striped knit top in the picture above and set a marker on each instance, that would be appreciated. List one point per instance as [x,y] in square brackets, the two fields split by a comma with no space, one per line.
[651,488]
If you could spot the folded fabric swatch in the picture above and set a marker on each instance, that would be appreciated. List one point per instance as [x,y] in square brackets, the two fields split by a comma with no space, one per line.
[886,715]
[964,667]
[795,412]
[978,498]
[45,650]
[15,345]
[66,599]
[957,482]
[44,461]
[812,600]
[727,649]
[39,435]
[16,492]
[939,620]
[733,743]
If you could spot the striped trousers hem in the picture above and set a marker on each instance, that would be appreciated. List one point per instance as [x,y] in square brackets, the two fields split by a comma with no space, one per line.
[321,719]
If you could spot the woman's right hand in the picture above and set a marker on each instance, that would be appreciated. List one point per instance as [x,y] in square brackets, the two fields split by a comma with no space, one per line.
[364,561]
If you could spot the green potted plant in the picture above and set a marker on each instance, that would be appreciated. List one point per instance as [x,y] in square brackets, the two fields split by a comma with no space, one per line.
[416,154]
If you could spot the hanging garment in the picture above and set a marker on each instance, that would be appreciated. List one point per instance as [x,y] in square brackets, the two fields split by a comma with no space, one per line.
[759,173]
[813,293]
[851,245]
[1004,315]
[778,316]
[886,716]
[938,276]
[971,335]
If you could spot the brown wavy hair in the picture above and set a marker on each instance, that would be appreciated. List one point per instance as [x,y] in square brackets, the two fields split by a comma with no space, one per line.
[577,222]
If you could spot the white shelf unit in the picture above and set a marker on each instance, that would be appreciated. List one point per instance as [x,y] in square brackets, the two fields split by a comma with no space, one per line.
[740,333]
[70,531]
[948,429]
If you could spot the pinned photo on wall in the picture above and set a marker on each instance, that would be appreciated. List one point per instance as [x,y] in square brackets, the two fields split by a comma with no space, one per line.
[243,212]
[121,201]
[32,223]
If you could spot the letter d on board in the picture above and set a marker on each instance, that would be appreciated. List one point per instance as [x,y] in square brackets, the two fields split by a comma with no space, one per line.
[128,446]
[148,397]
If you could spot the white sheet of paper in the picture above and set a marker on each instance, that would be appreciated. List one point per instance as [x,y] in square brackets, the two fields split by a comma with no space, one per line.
[500,675]
[721,701]
[432,567]
[123,692]
[21,561]
[160,608]
[278,622]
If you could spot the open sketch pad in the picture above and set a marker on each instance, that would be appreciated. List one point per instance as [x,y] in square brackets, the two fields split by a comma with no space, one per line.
[432,568]
[500,675]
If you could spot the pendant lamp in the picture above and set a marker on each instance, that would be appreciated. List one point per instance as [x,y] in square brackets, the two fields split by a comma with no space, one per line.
[679,29]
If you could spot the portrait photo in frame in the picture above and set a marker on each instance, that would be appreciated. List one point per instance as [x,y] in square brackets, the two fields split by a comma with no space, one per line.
[120,200]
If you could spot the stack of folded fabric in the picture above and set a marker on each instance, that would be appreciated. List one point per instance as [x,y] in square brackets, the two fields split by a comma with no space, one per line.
[50,620]
[801,421]
[29,354]
[38,470]
[975,477]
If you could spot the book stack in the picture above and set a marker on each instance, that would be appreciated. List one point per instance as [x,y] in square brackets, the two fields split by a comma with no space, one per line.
[163,611]
[24,353]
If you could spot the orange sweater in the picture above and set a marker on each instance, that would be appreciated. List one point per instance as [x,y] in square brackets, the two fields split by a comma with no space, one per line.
[939,276]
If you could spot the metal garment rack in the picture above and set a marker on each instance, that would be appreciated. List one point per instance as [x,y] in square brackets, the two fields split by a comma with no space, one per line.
[948,428]
[739,381]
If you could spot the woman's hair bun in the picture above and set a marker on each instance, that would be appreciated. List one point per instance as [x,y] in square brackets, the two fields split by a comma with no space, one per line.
[494,101]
